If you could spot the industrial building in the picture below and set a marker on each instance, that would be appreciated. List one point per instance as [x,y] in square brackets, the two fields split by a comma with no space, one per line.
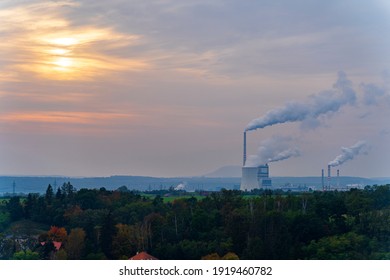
[263,176]
[254,177]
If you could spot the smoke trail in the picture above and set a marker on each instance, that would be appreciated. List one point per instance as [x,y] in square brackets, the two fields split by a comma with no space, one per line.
[317,105]
[373,94]
[181,186]
[292,152]
[271,150]
[349,153]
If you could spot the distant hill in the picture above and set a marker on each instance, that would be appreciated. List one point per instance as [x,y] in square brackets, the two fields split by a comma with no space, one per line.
[38,184]
[226,177]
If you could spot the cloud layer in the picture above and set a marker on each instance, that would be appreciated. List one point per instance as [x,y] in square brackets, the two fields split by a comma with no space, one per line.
[165,88]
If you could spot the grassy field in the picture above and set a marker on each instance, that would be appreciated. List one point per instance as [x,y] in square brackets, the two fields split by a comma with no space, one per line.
[167,199]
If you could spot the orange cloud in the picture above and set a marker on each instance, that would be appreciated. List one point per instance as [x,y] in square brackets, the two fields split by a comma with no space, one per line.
[39,40]
[63,117]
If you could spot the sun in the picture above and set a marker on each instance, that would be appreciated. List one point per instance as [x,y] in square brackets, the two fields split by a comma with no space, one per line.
[79,54]
[63,62]
[61,52]
[65,41]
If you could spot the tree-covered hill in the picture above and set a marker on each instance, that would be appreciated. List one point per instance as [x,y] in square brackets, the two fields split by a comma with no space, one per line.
[103,224]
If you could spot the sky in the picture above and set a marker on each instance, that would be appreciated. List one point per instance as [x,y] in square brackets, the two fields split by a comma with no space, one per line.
[167,87]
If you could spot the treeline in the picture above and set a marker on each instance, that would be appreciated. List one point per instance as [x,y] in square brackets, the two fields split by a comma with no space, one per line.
[101,224]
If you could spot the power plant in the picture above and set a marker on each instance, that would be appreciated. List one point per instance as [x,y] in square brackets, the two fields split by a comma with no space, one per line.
[254,177]
[255,169]
[255,174]
[329,185]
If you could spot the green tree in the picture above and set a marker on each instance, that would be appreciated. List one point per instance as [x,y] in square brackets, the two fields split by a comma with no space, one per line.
[46,251]
[26,255]
[60,255]
[40,212]
[59,194]
[4,220]
[349,246]
[68,191]
[15,208]
[108,230]
[124,243]
[357,201]
[49,194]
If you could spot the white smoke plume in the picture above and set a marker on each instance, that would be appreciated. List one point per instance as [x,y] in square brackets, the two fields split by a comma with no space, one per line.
[271,150]
[349,153]
[374,94]
[181,186]
[318,105]
[292,152]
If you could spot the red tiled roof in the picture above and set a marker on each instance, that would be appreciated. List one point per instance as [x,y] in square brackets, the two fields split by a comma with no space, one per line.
[56,244]
[143,256]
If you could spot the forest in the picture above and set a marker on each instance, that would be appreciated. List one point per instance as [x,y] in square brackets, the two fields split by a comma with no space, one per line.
[66,223]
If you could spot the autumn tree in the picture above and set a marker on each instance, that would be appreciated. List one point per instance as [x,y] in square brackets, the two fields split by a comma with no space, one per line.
[230,256]
[212,256]
[57,234]
[75,245]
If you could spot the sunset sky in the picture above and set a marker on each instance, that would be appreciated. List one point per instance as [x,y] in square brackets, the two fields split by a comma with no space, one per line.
[167,87]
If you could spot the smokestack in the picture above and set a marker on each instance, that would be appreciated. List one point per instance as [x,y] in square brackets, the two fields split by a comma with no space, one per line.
[329,176]
[338,178]
[244,155]
[323,180]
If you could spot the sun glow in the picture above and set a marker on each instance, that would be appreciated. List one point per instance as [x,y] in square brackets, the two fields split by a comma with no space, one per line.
[63,58]
[59,51]
[63,62]
[67,41]
[50,47]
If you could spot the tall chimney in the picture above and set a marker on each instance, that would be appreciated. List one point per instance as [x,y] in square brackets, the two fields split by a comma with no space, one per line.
[338,178]
[323,179]
[244,156]
[328,176]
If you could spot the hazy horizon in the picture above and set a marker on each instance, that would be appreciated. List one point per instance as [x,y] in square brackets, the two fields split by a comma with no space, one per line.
[167,88]
[207,175]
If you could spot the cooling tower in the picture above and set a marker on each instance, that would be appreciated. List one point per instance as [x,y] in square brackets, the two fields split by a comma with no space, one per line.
[249,179]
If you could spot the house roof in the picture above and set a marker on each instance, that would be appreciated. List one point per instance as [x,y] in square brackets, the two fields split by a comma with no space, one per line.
[143,256]
[56,244]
